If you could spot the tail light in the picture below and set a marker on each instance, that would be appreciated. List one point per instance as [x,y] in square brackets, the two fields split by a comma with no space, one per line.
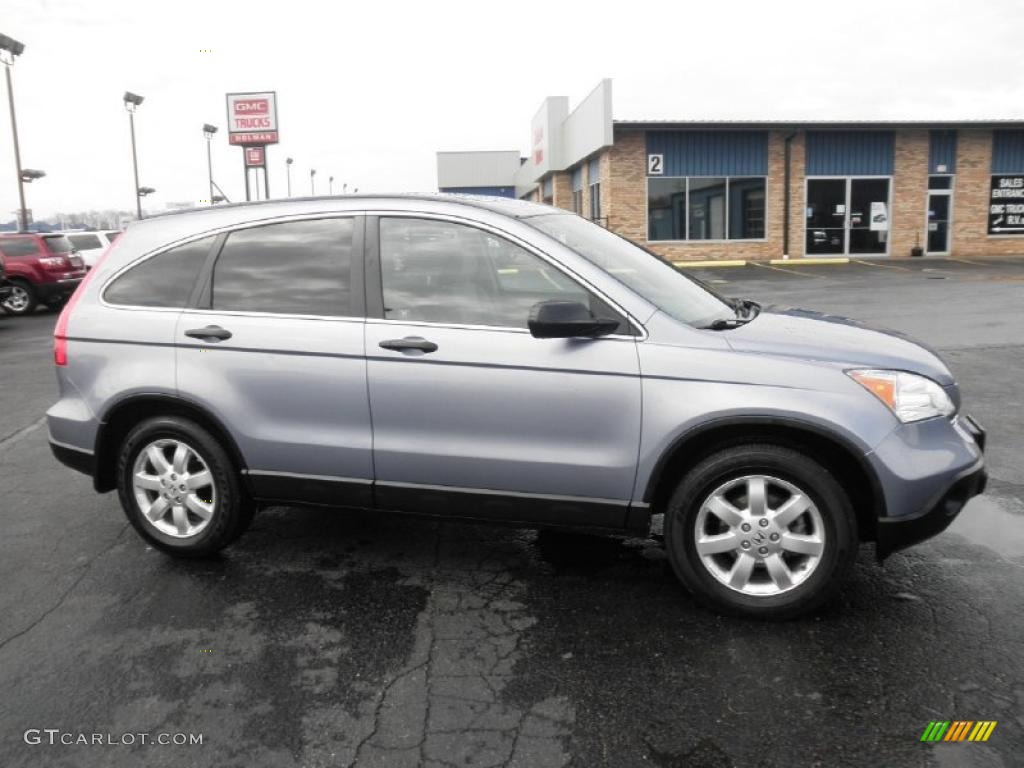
[55,262]
[60,333]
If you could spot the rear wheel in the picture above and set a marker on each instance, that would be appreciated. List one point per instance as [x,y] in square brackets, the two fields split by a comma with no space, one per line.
[760,531]
[21,300]
[179,488]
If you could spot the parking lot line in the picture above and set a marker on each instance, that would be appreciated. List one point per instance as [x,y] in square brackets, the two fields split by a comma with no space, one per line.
[867,263]
[781,269]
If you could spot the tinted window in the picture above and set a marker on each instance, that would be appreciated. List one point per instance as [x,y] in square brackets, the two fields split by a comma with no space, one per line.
[436,271]
[85,242]
[295,268]
[58,243]
[165,280]
[19,246]
[111,236]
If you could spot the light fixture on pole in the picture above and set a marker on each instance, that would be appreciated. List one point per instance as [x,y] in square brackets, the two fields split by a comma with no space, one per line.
[288,165]
[344,188]
[312,181]
[28,175]
[131,103]
[10,49]
[208,132]
[143,191]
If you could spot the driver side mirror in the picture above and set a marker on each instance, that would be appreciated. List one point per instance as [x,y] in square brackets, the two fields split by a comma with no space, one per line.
[566,320]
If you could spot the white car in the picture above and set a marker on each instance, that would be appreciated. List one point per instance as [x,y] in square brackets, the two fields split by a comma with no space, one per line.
[91,244]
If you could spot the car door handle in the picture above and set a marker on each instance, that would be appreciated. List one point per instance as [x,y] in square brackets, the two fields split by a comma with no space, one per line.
[409,342]
[209,333]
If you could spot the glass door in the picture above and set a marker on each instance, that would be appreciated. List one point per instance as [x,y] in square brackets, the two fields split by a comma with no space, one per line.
[869,216]
[826,216]
[940,209]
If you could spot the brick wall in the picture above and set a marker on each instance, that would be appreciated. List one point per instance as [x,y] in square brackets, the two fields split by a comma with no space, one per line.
[909,192]
[561,192]
[971,197]
[797,197]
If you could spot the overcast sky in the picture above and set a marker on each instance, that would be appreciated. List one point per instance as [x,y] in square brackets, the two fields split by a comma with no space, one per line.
[369,91]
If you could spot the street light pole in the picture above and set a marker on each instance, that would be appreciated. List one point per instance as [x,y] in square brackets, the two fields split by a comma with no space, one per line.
[330,185]
[131,102]
[288,165]
[208,131]
[11,49]
[312,181]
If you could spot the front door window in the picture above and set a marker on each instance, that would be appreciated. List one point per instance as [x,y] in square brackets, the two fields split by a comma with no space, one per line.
[826,216]
[940,209]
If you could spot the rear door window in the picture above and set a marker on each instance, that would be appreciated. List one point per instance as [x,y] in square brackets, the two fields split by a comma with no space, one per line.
[292,268]
[164,280]
[19,246]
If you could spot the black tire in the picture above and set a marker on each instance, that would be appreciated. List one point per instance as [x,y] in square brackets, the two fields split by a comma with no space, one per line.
[28,295]
[232,510]
[788,465]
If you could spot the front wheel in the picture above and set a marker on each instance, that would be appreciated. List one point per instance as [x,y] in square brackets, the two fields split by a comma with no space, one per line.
[760,531]
[180,489]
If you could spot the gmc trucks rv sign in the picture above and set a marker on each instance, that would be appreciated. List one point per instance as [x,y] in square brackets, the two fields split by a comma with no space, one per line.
[252,118]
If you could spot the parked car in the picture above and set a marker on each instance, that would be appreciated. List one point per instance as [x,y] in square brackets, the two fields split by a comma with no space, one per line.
[40,268]
[90,245]
[5,286]
[503,361]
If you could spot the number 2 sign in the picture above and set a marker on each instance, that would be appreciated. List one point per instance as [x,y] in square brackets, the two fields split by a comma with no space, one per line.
[655,165]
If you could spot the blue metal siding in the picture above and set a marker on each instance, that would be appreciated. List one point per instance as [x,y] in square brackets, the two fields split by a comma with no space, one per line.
[577,178]
[1008,151]
[849,153]
[594,171]
[711,153]
[493,191]
[549,187]
[942,151]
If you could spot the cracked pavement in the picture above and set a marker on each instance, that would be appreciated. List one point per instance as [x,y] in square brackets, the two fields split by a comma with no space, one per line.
[334,639]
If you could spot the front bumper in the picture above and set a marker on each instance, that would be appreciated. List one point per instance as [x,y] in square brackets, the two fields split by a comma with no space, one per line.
[896,533]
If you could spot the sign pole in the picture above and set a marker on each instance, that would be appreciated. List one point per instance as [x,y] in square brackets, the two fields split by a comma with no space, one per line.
[266,175]
[245,168]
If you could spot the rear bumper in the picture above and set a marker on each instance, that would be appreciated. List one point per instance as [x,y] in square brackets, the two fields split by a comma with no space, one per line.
[57,289]
[77,459]
[896,533]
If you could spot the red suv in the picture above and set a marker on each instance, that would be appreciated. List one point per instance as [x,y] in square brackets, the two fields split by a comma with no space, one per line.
[40,268]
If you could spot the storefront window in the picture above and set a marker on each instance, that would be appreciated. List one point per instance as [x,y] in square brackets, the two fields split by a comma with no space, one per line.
[595,202]
[706,208]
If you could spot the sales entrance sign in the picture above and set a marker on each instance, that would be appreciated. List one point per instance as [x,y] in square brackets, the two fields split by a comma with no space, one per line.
[1006,206]
[252,118]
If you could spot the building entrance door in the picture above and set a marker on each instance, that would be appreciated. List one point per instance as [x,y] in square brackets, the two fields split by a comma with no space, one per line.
[940,210]
[848,216]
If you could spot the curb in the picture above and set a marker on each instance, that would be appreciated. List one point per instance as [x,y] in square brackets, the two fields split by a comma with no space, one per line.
[810,262]
[713,263]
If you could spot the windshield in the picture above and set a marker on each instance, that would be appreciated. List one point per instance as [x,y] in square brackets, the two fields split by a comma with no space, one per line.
[58,244]
[659,282]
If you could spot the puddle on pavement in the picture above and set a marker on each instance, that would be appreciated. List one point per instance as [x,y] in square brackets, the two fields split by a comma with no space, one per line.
[990,522]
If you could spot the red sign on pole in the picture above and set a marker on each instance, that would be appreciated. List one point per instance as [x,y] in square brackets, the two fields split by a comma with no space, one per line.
[252,118]
[255,157]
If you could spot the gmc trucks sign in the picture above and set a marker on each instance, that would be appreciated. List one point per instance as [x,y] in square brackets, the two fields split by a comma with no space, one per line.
[252,118]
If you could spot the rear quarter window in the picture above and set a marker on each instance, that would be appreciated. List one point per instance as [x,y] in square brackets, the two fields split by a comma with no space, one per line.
[164,280]
[58,244]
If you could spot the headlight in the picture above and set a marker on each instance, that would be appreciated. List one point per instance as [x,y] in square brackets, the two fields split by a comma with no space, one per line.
[909,396]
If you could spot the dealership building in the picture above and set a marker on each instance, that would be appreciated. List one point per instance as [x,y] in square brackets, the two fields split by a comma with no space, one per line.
[697,190]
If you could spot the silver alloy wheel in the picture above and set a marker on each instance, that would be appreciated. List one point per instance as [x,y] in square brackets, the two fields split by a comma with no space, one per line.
[17,300]
[759,535]
[174,488]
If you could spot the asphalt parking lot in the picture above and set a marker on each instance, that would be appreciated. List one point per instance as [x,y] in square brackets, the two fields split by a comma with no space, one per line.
[325,639]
